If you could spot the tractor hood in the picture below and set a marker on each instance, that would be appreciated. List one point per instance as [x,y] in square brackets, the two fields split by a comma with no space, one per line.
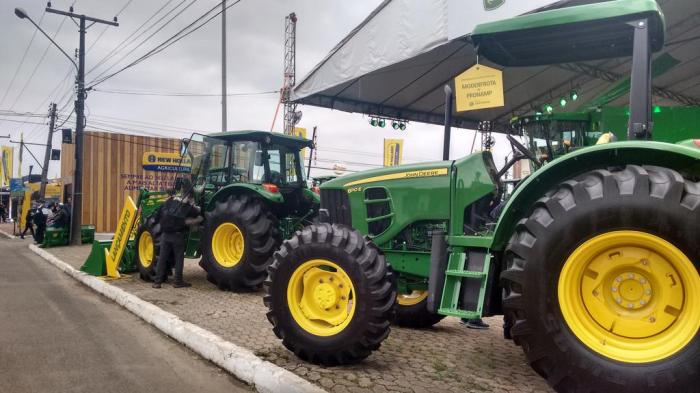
[381,175]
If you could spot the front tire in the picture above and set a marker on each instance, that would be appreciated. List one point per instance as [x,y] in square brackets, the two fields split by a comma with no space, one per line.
[240,235]
[601,282]
[329,295]
[147,248]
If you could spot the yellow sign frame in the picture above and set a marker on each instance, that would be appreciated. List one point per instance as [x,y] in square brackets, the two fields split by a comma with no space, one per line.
[121,237]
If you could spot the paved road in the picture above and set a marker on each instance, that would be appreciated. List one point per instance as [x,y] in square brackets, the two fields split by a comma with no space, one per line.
[58,336]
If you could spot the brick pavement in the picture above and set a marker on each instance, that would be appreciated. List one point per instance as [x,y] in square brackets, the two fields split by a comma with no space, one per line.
[446,358]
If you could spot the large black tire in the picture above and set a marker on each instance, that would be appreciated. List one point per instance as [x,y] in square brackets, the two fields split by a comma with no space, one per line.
[366,268]
[261,238]
[413,315]
[652,200]
[149,231]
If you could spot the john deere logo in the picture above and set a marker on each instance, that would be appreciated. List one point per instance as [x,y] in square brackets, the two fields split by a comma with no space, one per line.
[490,5]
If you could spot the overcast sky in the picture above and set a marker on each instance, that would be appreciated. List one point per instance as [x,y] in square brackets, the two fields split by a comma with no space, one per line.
[193,65]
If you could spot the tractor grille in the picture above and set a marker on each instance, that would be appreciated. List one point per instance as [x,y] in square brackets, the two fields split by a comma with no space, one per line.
[338,206]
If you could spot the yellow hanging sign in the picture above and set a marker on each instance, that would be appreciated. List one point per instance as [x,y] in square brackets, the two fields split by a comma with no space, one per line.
[479,87]
[393,152]
[121,237]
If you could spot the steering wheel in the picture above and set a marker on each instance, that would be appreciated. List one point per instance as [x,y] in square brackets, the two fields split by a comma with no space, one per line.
[522,149]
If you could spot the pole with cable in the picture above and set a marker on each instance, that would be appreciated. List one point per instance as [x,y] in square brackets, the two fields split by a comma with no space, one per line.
[223,66]
[47,153]
[77,208]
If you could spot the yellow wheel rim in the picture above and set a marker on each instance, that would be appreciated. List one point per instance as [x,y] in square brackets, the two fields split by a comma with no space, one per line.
[411,299]
[630,296]
[228,245]
[146,249]
[321,297]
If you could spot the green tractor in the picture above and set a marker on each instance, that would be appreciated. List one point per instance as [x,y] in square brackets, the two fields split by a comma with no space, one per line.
[593,259]
[251,187]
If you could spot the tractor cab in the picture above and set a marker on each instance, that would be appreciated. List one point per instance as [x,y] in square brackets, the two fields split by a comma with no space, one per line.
[256,157]
[260,160]
[551,136]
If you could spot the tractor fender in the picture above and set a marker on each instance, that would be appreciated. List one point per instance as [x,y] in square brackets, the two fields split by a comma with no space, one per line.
[682,158]
[255,190]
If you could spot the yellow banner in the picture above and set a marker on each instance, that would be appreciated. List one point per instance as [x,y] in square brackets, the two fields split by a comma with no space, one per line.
[479,87]
[166,162]
[300,132]
[6,160]
[393,152]
[121,237]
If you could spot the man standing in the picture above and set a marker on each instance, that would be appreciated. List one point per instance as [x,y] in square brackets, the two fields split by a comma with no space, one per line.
[40,221]
[176,214]
[29,222]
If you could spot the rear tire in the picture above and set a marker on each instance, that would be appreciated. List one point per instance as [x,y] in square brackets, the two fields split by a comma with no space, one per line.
[636,217]
[336,321]
[239,237]
[147,248]
[411,311]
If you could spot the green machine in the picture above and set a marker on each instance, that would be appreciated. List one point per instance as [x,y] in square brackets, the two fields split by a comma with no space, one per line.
[552,135]
[251,187]
[593,259]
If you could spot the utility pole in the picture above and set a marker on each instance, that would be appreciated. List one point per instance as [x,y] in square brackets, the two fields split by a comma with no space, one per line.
[223,66]
[47,153]
[77,208]
[291,116]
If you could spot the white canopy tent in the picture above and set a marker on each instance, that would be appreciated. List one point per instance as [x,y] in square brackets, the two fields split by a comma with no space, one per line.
[396,62]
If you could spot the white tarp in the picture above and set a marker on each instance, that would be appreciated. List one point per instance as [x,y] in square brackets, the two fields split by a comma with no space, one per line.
[398,30]
[396,63]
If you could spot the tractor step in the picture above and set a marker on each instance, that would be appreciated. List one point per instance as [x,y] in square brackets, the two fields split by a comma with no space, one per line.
[466,277]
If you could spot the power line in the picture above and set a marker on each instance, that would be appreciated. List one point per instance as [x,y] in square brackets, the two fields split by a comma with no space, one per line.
[170,41]
[150,36]
[117,49]
[20,121]
[181,94]
[41,60]
[21,62]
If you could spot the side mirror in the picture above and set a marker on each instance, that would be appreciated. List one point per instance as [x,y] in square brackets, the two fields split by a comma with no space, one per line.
[184,143]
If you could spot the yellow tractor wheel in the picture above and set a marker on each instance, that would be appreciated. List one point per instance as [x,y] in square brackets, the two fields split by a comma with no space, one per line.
[329,295]
[240,234]
[601,286]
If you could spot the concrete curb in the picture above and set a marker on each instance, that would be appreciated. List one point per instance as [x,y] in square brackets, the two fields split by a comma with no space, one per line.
[242,363]
[7,235]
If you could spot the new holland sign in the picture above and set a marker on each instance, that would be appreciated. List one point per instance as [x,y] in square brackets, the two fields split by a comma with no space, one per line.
[166,162]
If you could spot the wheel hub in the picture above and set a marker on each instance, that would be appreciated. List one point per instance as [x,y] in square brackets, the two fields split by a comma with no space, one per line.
[146,249]
[321,297]
[631,296]
[325,296]
[228,244]
[632,290]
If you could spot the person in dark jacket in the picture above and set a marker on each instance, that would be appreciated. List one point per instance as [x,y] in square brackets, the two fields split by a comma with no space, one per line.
[2,212]
[60,216]
[29,223]
[40,222]
[176,214]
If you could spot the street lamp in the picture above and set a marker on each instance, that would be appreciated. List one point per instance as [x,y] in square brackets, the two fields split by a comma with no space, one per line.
[22,14]
[79,106]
